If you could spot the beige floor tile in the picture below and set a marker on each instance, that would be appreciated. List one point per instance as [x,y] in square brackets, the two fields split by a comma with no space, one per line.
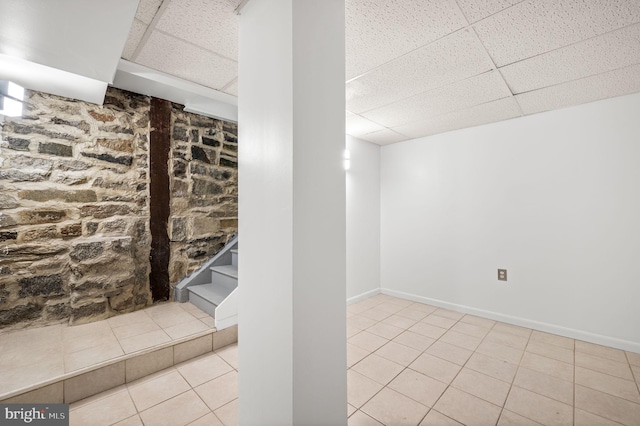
[427,330]
[414,340]
[499,351]
[352,331]
[418,387]
[141,327]
[479,321]
[361,419]
[376,314]
[202,369]
[92,356]
[94,382]
[378,369]
[553,339]
[392,408]
[422,307]
[470,329]
[207,420]
[400,354]
[360,388]
[634,358]
[636,373]
[601,351]
[385,330]
[27,375]
[509,418]
[350,410]
[538,408]
[130,421]
[507,339]
[493,367]
[448,313]
[485,387]
[449,352]
[179,410]
[76,331]
[153,390]
[101,337]
[466,408]
[399,321]
[544,384]
[461,340]
[194,310]
[356,308]
[435,367]
[615,386]
[368,341]
[390,307]
[171,319]
[355,354]
[551,351]
[549,366]
[413,314]
[607,406]
[360,322]
[228,413]
[106,410]
[584,418]
[184,329]
[144,341]
[513,329]
[128,319]
[434,418]
[400,301]
[208,321]
[439,321]
[219,391]
[604,365]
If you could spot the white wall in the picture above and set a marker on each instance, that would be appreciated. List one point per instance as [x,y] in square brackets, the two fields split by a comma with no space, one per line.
[554,198]
[363,219]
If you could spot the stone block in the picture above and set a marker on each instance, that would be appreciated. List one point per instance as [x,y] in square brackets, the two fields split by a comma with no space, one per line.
[42,216]
[53,148]
[19,313]
[179,169]
[203,226]
[205,187]
[18,144]
[14,175]
[8,202]
[40,233]
[204,155]
[71,230]
[105,210]
[180,133]
[84,251]
[79,124]
[125,160]
[229,223]
[211,142]
[41,285]
[102,115]
[178,229]
[90,310]
[6,220]
[122,145]
[180,188]
[42,195]
[75,165]
[229,162]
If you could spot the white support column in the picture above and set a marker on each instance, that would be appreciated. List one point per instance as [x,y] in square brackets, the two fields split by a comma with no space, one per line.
[292,337]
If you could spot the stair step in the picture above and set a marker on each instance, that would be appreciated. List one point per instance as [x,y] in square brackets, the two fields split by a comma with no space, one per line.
[212,293]
[228,270]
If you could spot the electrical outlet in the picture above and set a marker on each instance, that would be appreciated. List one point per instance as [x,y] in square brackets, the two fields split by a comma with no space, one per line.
[502,274]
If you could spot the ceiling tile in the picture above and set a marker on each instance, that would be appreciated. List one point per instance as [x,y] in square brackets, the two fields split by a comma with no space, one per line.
[456,57]
[460,95]
[348,113]
[358,126]
[607,52]
[384,137]
[211,24]
[232,88]
[135,35]
[476,10]
[378,31]
[490,112]
[147,10]
[538,26]
[170,55]
[613,83]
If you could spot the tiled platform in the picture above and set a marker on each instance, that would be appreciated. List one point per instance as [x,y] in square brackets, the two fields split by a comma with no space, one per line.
[61,363]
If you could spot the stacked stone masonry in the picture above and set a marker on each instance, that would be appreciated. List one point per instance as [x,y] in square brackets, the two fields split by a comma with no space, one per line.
[74,205]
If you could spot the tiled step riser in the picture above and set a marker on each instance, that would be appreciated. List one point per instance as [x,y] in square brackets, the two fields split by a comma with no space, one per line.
[74,388]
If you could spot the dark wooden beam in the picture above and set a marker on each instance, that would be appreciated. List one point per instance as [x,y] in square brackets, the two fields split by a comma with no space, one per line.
[159,193]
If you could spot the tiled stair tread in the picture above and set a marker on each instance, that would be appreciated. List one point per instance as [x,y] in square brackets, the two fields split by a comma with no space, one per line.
[213,293]
[228,270]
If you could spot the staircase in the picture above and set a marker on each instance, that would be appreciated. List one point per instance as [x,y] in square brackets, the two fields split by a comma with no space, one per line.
[213,287]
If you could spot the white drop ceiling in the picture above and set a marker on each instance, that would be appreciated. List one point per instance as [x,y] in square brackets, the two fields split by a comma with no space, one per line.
[420,67]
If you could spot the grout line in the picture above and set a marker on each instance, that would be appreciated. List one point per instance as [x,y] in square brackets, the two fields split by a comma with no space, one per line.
[150,28]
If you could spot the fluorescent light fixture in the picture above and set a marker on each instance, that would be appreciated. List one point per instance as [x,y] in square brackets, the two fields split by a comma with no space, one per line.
[11,97]
[346,157]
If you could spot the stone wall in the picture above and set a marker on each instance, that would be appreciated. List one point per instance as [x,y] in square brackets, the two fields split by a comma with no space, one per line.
[204,189]
[74,205]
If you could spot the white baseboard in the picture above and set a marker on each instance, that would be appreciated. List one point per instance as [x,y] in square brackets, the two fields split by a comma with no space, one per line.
[226,322]
[586,336]
[363,296]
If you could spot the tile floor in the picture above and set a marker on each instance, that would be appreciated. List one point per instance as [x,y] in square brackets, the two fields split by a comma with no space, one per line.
[35,355]
[412,364]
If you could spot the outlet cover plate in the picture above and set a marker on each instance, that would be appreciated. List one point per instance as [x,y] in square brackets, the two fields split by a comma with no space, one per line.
[502,274]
